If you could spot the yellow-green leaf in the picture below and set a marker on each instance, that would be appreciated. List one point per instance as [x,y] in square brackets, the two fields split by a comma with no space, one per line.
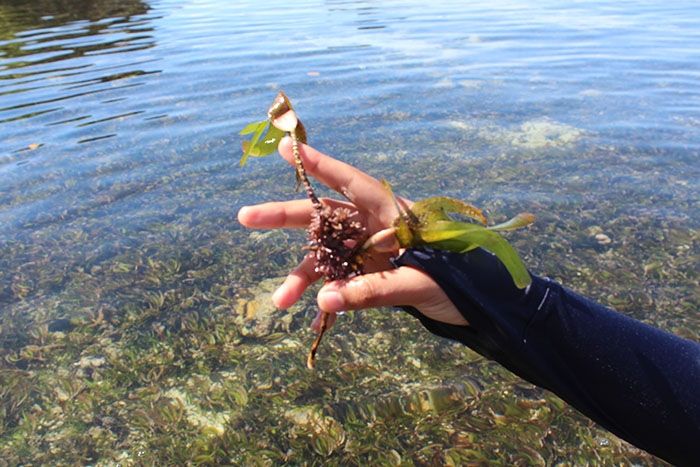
[437,208]
[248,148]
[462,237]
[268,143]
[521,220]
[252,127]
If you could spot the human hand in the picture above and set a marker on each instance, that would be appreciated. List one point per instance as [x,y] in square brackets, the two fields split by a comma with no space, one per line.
[382,284]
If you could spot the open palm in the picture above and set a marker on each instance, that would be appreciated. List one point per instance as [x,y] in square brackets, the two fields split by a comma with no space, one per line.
[382,284]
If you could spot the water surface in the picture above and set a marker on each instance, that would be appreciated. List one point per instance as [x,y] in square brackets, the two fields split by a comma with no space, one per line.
[135,325]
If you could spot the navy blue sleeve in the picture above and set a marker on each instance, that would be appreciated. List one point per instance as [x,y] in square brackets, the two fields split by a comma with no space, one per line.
[637,381]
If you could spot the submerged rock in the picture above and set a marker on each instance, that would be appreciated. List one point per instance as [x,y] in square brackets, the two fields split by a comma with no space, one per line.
[257,316]
[537,133]
[207,421]
[540,133]
[602,239]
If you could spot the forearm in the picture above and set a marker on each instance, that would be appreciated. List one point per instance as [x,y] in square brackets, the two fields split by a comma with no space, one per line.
[637,381]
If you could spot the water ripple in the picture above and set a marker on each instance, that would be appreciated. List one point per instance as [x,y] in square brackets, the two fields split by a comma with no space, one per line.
[118,153]
[368,77]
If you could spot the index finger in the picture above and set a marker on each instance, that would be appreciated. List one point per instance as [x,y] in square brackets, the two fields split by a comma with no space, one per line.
[364,191]
[283,214]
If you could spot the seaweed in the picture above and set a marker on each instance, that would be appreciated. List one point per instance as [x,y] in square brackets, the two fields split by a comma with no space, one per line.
[428,222]
[334,233]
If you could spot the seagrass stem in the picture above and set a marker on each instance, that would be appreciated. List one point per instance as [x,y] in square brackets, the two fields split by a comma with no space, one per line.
[311,359]
[301,173]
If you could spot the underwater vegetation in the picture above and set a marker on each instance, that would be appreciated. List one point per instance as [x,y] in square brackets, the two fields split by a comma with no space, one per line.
[163,349]
[150,342]
[135,319]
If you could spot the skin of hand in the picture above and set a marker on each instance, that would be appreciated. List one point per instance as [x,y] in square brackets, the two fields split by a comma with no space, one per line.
[382,284]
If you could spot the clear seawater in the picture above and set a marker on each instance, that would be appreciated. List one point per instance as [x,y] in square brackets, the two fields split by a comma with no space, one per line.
[135,324]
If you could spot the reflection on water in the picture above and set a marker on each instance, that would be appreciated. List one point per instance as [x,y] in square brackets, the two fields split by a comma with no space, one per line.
[52,52]
[135,321]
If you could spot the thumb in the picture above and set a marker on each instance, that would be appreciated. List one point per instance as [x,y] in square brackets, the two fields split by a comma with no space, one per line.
[402,286]
[285,149]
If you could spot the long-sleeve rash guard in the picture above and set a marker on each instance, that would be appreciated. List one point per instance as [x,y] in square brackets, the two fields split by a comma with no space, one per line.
[637,381]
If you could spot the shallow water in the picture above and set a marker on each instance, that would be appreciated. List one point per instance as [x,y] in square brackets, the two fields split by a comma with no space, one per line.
[135,325]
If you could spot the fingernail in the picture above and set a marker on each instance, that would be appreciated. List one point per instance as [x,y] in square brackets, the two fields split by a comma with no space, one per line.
[277,297]
[242,212]
[383,241]
[285,141]
[331,301]
[316,323]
